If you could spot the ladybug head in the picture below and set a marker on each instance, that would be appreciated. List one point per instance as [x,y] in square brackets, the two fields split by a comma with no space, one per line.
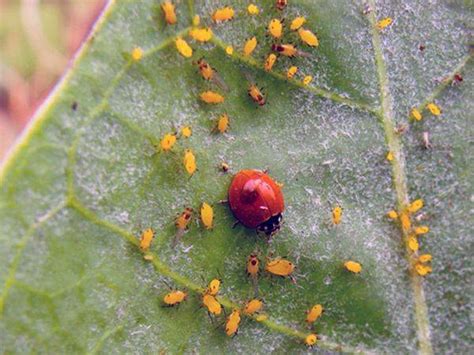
[271,226]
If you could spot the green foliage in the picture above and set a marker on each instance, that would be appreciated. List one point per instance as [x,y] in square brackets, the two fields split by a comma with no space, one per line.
[84,182]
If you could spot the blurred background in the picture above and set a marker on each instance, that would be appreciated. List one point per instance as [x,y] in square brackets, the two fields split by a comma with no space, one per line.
[38,38]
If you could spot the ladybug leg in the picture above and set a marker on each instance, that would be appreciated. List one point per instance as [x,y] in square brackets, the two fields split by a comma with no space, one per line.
[236,223]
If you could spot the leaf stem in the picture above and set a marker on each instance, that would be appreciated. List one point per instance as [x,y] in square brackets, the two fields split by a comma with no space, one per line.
[315,90]
[400,182]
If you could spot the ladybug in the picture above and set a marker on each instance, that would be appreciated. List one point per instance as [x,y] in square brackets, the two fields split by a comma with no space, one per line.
[256,200]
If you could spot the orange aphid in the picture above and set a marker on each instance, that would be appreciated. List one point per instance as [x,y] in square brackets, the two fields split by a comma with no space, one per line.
[275,28]
[280,267]
[146,239]
[308,37]
[250,46]
[174,298]
[223,14]
[253,265]
[183,48]
[210,302]
[201,34]
[211,97]
[169,12]
[253,306]
[270,62]
[314,313]
[256,94]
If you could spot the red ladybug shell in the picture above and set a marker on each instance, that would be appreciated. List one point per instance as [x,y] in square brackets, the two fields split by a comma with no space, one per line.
[254,198]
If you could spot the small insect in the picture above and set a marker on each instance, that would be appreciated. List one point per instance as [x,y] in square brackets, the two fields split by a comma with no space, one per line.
[297,23]
[183,48]
[353,266]
[229,50]
[146,239]
[413,244]
[137,54]
[174,298]
[336,215]
[457,78]
[425,258]
[389,156]
[201,34]
[211,97]
[307,79]
[367,9]
[256,95]
[308,37]
[232,324]
[256,201]
[196,20]
[405,221]
[168,141]
[288,50]
[280,267]
[253,306]
[224,167]
[252,9]
[291,72]
[74,106]
[423,270]
[253,265]
[434,109]
[392,214]
[182,224]
[422,230]
[384,23]
[223,14]
[169,12]
[281,4]
[401,128]
[415,206]
[275,28]
[210,74]
[212,304]
[426,140]
[250,46]
[311,339]
[270,62]
[416,114]
[421,47]
[186,132]
[314,313]
[222,124]
[207,215]
[189,161]
[213,287]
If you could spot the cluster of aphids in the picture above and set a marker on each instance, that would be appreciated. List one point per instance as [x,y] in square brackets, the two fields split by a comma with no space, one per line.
[254,198]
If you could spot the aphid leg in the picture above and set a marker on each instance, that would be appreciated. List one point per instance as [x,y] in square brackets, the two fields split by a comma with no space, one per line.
[210,317]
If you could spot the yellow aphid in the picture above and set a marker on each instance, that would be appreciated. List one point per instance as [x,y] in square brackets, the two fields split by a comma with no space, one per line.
[196,20]
[288,50]
[336,215]
[213,287]
[223,14]
[291,72]
[314,313]
[232,324]
[353,266]
[252,9]
[222,124]
[269,62]
[387,21]
[297,23]
[405,221]
[253,306]
[183,48]
[422,230]
[275,28]
[211,97]
[189,161]
[425,258]
[210,302]
[146,239]
[168,141]
[434,109]
[416,114]
[423,270]
[168,11]
[308,37]
[415,206]
[413,244]
[207,215]
[311,339]
[307,79]
[261,317]
[280,267]
[250,45]
[229,50]
[184,218]
[174,298]
[392,214]
[148,257]
[201,34]
[186,132]
[137,54]
[253,265]
[389,156]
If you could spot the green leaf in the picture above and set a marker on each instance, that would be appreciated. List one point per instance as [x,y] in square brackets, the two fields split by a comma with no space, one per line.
[85,179]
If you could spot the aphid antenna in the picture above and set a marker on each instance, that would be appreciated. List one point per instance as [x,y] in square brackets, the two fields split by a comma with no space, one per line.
[167,284]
